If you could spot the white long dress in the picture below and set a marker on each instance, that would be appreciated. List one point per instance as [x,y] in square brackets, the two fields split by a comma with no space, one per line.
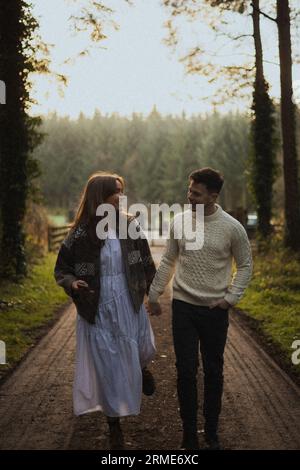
[111,353]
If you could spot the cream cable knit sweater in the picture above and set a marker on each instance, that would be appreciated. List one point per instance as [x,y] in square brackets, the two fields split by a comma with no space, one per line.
[204,275]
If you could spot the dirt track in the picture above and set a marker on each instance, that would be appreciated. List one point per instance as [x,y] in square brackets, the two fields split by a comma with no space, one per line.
[261,405]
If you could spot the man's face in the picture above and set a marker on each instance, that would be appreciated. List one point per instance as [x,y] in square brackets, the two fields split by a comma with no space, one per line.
[198,194]
[114,198]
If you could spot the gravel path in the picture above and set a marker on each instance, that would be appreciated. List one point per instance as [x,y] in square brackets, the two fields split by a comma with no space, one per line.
[261,405]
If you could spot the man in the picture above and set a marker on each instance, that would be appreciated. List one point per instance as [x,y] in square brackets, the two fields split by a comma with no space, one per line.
[203,291]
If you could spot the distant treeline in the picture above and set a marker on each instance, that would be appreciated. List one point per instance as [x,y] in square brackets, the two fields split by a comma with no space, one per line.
[155,155]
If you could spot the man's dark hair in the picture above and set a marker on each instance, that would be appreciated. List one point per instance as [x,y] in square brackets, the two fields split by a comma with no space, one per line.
[212,179]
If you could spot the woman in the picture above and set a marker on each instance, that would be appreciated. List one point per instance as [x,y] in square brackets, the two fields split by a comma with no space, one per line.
[107,280]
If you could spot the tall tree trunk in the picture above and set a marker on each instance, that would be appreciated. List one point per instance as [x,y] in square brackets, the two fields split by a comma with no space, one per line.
[13,152]
[17,131]
[263,130]
[288,125]
[257,42]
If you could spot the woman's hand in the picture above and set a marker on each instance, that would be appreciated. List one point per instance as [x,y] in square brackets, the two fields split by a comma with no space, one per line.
[78,285]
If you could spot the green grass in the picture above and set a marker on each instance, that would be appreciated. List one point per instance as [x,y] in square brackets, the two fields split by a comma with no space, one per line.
[273,299]
[58,220]
[29,306]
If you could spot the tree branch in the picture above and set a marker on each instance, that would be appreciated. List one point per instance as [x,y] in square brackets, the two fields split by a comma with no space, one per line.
[235,38]
[264,14]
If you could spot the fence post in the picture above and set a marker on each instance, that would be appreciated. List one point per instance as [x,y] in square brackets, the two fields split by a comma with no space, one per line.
[56,236]
[2,353]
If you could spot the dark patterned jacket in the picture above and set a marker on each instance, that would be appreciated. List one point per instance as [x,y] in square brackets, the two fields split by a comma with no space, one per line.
[79,258]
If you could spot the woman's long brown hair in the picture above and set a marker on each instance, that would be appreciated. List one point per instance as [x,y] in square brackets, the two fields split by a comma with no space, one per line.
[99,187]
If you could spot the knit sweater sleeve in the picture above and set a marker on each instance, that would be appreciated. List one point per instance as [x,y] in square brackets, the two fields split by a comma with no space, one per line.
[241,252]
[166,267]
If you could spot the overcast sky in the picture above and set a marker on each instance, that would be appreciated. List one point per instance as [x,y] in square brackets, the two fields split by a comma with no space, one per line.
[134,70]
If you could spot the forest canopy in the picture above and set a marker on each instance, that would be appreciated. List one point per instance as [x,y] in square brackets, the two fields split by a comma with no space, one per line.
[155,155]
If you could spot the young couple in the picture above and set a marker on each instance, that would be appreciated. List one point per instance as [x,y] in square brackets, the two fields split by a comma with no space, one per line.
[108,280]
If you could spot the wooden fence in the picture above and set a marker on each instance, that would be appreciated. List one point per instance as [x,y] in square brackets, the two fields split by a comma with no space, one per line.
[56,235]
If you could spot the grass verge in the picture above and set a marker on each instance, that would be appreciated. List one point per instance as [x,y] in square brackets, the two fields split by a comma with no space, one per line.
[272,303]
[28,309]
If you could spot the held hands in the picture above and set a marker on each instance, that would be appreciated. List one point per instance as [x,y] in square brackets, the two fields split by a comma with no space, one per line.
[81,285]
[222,303]
[154,308]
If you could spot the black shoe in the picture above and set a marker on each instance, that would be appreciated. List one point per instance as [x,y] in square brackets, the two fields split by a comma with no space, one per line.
[148,382]
[212,440]
[189,441]
[116,439]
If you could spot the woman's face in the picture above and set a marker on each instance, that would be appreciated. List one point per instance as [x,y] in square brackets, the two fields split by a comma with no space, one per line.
[114,198]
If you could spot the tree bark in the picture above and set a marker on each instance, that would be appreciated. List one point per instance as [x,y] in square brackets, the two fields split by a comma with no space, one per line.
[257,42]
[288,126]
[18,135]
[263,130]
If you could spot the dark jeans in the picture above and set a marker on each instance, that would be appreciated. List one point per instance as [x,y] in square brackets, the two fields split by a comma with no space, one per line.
[193,324]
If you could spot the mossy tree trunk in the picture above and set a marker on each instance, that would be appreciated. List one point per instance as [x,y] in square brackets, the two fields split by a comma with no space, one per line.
[18,131]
